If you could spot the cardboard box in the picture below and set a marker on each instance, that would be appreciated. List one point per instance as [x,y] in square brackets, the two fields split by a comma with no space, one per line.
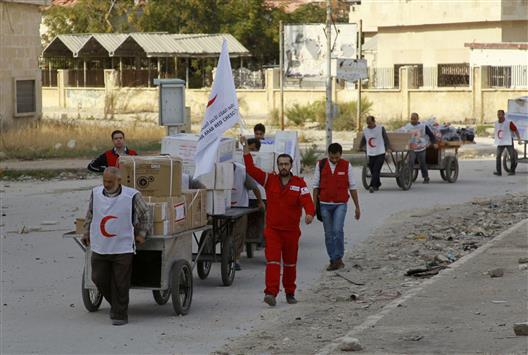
[263,160]
[219,179]
[184,146]
[196,208]
[159,211]
[216,202]
[152,175]
[175,212]
[161,228]
[79,226]
[399,141]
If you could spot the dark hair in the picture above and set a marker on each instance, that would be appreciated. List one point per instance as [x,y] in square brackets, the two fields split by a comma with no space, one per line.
[117,131]
[284,155]
[335,148]
[500,111]
[259,127]
[254,141]
[370,117]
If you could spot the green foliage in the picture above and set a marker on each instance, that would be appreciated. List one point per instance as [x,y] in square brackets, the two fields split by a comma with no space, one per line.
[394,123]
[346,117]
[274,119]
[310,156]
[481,130]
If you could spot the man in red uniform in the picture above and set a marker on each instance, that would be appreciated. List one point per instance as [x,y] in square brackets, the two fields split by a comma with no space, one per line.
[287,195]
[109,158]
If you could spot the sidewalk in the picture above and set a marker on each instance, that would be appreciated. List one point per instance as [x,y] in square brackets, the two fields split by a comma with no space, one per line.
[462,310]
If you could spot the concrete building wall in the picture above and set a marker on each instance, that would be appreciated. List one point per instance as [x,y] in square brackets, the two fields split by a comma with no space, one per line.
[498,57]
[20,49]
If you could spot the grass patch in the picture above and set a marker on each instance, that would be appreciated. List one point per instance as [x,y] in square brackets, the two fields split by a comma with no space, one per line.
[48,140]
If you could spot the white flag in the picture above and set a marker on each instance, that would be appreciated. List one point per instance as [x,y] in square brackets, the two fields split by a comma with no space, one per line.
[220,115]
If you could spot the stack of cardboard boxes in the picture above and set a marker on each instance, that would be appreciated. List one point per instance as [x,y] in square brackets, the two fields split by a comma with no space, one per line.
[219,182]
[159,179]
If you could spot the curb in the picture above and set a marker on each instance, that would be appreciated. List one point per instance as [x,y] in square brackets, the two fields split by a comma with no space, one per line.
[373,319]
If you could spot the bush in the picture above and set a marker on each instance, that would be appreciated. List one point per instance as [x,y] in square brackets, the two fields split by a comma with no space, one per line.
[346,117]
[394,123]
[298,114]
[274,119]
[310,156]
[481,130]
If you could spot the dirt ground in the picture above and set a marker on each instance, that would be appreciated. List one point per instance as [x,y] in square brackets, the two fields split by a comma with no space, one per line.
[375,273]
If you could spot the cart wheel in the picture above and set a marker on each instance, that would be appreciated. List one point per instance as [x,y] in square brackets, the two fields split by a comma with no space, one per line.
[451,169]
[249,250]
[366,177]
[228,261]
[415,175]
[443,174]
[181,287]
[204,267]
[161,297]
[91,298]
[404,178]
[508,163]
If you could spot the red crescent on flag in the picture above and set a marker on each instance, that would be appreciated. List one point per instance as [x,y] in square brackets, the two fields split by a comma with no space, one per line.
[102,226]
[210,102]
[371,142]
[500,134]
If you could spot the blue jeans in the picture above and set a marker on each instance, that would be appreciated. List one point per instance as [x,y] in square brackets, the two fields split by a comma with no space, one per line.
[333,223]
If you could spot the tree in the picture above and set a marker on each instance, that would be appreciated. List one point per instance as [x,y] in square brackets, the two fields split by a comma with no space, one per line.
[87,16]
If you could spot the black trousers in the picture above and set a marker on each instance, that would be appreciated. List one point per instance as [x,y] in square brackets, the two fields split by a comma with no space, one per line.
[375,164]
[500,150]
[111,273]
[420,156]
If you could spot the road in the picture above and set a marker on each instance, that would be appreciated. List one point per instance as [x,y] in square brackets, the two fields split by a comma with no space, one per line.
[42,309]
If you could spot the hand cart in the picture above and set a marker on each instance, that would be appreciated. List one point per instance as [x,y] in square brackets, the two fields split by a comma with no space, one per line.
[396,165]
[161,264]
[510,163]
[443,158]
[220,234]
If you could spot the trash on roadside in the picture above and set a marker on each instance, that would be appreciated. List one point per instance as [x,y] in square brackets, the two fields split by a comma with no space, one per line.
[425,272]
[521,329]
[499,272]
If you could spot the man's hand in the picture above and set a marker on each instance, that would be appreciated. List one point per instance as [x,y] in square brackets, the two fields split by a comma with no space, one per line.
[139,239]
[308,219]
[261,205]
[85,239]
[389,150]
[358,214]
[243,140]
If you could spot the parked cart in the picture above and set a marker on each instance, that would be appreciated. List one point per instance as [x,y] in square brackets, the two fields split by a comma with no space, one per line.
[162,264]
[444,158]
[219,237]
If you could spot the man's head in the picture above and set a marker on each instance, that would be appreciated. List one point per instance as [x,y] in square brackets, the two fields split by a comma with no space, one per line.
[334,152]
[118,138]
[253,144]
[111,179]
[284,162]
[500,115]
[371,122]
[259,130]
[414,118]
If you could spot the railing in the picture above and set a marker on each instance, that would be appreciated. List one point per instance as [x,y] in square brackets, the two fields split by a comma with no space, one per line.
[247,79]
[94,78]
[49,78]
[508,76]
[381,78]
[137,78]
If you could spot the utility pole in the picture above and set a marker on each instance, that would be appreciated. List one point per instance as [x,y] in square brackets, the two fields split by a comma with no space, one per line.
[328,73]
[359,56]
[281,74]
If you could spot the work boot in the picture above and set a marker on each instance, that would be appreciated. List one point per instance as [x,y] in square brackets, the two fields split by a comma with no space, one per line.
[497,174]
[270,300]
[371,189]
[339,264]
[119,321]
[332,266]
[426,180]
[291,299]
[511,173]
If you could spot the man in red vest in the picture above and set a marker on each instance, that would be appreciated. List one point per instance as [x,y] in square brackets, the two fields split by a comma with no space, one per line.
[286,196]
[333,180]
[109,158]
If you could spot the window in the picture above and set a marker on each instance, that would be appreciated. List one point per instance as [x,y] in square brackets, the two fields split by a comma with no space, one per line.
[499,77]
[418,78]
[25,97]
[453,74]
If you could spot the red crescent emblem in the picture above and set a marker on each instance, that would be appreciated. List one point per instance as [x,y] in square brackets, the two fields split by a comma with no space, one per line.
[371,142]
[103,224]
[211,101]
[500,134]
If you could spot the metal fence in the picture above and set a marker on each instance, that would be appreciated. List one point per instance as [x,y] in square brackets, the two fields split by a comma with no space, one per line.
[508,76]
[381,78]
[49,77]
[94,78]
[247,79]
[137,77]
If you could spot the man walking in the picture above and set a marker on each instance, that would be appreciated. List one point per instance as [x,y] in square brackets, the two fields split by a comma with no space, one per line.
[373,135]
[287,195]
[110,157]
[421,137]
[504,131]
[116,220]
[333,179]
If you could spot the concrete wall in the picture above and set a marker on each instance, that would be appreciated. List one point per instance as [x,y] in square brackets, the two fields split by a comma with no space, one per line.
[498,57]
[476,103]
[19,51]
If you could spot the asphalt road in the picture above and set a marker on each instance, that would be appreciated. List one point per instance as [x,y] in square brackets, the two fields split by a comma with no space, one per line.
[41,306]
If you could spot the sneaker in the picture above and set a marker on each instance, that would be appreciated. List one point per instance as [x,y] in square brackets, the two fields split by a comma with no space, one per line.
[426,180]
[371,189]
[119,321]
[237,266]
[497,174]
[511,173]
[291,299]
[270,300]
[339,264]
[332,266]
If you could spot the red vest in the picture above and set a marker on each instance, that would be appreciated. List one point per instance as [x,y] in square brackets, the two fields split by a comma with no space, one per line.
[334,187]
[112,156]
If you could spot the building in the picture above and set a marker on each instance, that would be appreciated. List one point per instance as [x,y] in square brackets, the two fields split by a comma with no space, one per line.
[20,48]
[434,36]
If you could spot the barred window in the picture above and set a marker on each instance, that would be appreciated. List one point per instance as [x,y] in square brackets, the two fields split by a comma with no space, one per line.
[500,76]
[418,78]
[453,74]
[25,97]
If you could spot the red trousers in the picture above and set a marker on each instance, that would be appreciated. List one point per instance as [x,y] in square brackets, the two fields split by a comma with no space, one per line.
[281,244]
